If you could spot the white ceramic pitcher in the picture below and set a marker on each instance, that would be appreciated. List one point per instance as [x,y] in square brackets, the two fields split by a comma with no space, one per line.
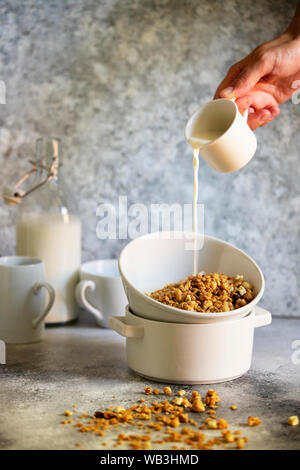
[222,135]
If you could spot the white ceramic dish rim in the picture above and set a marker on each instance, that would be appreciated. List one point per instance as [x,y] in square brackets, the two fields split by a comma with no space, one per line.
[219,315]
[86,268]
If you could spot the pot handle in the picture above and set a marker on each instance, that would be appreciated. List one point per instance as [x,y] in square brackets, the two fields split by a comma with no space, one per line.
[262,317]
[129,331]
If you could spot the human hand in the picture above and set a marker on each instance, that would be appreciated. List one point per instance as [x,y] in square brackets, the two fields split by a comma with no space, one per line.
[264,79]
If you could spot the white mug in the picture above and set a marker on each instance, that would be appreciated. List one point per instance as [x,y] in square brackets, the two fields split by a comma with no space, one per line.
[23,299]
[222,135]
[100,290]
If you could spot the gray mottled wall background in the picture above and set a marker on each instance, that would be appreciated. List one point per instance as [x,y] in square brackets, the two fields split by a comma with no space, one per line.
[116,80]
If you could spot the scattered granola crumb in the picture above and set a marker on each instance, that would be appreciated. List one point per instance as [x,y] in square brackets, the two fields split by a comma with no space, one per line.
[293,420]
[222,424]
[228,436]
[212,424]
[212,398]
[253,421]
[240,443]
[171,418]
[198,405]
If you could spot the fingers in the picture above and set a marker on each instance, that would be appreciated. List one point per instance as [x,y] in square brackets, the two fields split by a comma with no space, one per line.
[232,73]
[244,75]
[262,117]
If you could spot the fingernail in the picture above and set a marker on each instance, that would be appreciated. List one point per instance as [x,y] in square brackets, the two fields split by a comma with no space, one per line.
[227,92]
[251,110]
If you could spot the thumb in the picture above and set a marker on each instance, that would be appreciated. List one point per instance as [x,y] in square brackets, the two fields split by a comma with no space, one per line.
[248,77]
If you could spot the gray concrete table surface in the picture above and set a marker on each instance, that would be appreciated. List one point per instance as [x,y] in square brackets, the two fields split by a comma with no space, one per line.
[86,365]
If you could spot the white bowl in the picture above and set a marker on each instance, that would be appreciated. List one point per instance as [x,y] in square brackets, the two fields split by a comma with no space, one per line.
[152,261]
[189,353]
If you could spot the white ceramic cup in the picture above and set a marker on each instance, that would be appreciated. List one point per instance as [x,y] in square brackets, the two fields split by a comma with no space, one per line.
[234,143]
[100,290]
[22,299]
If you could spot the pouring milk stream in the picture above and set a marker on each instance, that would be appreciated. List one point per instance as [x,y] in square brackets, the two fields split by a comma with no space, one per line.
[223,138]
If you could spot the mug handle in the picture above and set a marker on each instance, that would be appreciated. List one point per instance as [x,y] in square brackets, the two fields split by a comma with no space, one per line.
[82,300]
[36,288]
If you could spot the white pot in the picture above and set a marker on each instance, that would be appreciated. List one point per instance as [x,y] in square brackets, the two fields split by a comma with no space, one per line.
[189,353]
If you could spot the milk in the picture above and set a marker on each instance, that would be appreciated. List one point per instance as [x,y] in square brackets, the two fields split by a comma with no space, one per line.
[56,239]
[195,203]
[199,139]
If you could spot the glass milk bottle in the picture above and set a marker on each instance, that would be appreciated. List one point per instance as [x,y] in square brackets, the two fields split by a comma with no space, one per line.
[48,228]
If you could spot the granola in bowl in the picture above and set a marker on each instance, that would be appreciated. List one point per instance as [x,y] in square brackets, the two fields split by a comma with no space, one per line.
[208,293]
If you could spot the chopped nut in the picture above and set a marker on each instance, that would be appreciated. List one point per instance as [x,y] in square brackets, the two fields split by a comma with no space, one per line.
[241,290]
[178,401]
[293,420]
[167,391]
[148,390]
[240,443]
[119,409]
[195,395]
[212,398]
[233,407]
[175,422]
[198,405]
[212,424]
[222,424]
[68,413]
[253,421]
[228,436]
[156,391]
[181,393]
